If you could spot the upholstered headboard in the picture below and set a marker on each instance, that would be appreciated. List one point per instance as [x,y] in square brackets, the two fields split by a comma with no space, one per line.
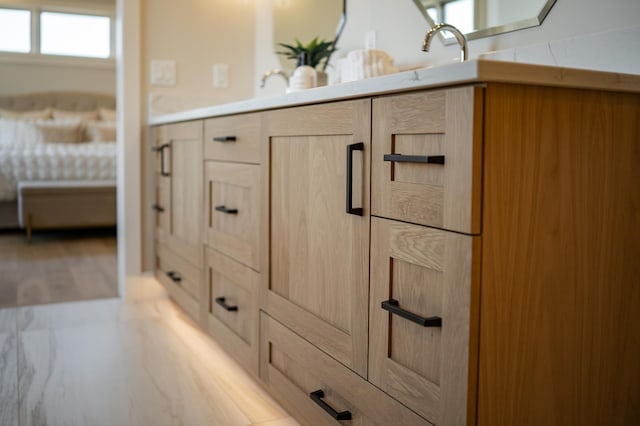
[70,101]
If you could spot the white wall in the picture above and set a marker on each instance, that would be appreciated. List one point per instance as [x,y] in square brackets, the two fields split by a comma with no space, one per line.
[197,34]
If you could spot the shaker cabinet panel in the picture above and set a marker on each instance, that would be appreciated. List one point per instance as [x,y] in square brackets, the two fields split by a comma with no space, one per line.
[317,388]
[178,160]
[427,158]
[232,307]
[319,252]
[233,138]
[233,210]
[424,285]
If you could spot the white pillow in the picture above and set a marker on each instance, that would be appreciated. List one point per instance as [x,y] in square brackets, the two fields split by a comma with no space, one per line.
[59,131]
[107,114]
[25,115]
[18,132]
[100,131]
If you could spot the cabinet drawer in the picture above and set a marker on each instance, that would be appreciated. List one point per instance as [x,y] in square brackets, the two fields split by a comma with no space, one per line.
[234,138]
[423,308]
[427,158]
[232,210]
[232,307]
[293,368]
[181,279]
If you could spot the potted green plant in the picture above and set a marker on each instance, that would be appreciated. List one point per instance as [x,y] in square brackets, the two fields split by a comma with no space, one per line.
[319,51]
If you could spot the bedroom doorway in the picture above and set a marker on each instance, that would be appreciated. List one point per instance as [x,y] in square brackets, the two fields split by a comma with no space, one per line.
[65,261]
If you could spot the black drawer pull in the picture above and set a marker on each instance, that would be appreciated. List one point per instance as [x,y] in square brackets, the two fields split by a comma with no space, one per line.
[225,210]
[224,139]
[161,149]
[350,148]
[424,159]
[222,301]
[158,208]
[392,306]
[175,277]
[317,396]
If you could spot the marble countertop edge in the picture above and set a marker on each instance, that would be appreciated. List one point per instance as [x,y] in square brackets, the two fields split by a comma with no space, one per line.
[474,71]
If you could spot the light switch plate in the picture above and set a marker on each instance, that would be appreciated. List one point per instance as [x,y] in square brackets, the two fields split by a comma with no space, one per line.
[220,76]
[163,73]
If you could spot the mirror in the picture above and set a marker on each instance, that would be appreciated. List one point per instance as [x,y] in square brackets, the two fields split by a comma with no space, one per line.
[483,18]
[305,20]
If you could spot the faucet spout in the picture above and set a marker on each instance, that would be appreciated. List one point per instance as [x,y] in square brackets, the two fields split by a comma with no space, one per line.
[462,40]
[273,72]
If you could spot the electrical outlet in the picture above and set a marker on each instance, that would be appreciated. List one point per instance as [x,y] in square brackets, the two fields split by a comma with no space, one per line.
[370,40]
[163,73]
[220,76]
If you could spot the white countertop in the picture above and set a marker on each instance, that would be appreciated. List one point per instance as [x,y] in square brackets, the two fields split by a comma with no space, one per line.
[475,71]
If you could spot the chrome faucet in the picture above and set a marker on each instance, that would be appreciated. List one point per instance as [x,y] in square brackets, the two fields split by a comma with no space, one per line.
[462,40]
[269,73]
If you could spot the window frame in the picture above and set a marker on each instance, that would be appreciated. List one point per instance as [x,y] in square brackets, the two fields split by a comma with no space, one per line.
[35,56]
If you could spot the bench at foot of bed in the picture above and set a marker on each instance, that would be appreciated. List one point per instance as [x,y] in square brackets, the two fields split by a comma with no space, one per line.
[66,204]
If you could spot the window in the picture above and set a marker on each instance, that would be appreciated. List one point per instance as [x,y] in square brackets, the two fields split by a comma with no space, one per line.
[38,33]
[15,30]
[75,35]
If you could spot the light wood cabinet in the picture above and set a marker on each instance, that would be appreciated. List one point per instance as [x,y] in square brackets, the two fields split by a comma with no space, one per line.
[232,228]
[427,158]
[179,182]
[318,279]
[421,350]
[178,206]
[232,307]
[317,389]
[233,210]
[458,256]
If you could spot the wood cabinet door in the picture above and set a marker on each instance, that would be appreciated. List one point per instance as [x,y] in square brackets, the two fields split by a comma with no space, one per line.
[179,174]
[424,298]
[427,158]
[318,279]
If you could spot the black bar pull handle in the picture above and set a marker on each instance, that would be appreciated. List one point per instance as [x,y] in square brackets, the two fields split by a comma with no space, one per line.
[424,159]
[317,396]
[350,148]
[225,210]
[175,277]
[222,301]
[158,208]
[161,149]
[224,139]
[393,306]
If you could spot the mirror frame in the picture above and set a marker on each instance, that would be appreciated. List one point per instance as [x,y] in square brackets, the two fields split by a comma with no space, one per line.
[491,31]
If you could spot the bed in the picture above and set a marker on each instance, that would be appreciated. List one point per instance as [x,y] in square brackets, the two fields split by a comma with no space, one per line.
[57,160]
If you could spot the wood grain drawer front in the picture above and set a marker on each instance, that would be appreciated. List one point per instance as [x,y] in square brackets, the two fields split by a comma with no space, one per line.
[234,138]
[430,273]
[293,368]
[232,307]
[181,279]
[435,126]
[233,203]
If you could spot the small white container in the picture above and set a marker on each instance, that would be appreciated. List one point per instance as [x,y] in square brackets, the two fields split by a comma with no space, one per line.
[304,77]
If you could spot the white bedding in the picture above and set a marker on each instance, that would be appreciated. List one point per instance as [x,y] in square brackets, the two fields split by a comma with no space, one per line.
[54,161]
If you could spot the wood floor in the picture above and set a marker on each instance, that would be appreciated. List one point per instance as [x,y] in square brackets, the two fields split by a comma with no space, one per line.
[57,267]
[113,362]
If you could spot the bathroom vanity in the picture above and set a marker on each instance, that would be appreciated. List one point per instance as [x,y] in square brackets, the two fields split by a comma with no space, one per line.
[448,246]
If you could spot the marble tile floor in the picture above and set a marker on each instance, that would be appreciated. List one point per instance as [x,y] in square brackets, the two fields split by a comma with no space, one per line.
[113,362]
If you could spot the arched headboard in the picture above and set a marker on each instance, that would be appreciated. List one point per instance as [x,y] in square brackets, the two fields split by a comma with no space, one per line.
[64,100]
